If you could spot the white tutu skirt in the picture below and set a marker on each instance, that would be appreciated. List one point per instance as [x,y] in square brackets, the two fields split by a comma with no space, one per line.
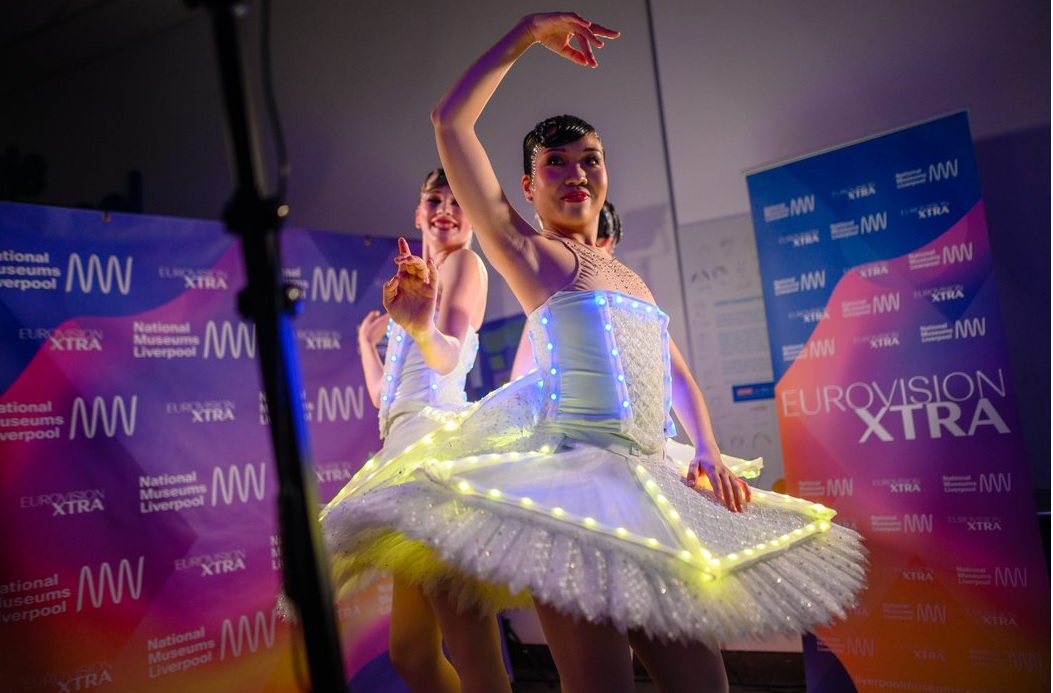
[496,512]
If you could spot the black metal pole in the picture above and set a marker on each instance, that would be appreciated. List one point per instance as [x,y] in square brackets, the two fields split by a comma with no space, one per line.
[257,220]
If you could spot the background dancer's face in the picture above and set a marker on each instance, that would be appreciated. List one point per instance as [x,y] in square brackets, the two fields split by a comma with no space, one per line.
[568,183]
[441,220]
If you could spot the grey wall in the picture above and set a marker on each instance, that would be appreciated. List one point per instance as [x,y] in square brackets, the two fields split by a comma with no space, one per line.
[695,93]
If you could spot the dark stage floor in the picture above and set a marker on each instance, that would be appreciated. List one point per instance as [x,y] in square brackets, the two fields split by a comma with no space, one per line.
[748,672]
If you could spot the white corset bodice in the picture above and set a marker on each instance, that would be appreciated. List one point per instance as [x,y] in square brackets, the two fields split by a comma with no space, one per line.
[616,384]
[409,385]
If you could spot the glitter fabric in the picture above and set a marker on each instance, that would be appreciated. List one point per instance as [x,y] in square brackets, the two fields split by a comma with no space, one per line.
[559,487]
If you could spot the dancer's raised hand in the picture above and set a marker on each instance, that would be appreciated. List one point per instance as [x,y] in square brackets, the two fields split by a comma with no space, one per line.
[557,31]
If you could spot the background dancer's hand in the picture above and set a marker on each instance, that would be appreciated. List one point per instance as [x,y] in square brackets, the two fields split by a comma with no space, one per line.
[372,328]
[557,31]
[706,471]
[410,295]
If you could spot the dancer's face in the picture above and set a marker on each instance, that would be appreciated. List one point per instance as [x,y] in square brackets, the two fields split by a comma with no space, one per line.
[442,221]
[569,184]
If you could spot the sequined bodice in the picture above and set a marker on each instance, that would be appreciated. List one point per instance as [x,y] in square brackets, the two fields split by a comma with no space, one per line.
[410,385]
[597,270]
[603,362]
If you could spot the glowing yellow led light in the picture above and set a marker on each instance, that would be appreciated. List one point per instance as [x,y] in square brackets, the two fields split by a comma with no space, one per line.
[428,438]
[824,525]
[674,515]
[733,557]
[662,500]
[451,426]
[526,502]
[650,484]
[558,512]
[706,554]
[621,532]
[798,532]
[685,555]
[464,487]
[472,458]
[690,533]
[494,493]
[589,522]
[546,449]
[748,552]
[369,465]
[715,562]
[811,527]
[651,541]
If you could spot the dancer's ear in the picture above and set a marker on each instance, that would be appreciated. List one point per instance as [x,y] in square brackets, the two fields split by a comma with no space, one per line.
[528,188]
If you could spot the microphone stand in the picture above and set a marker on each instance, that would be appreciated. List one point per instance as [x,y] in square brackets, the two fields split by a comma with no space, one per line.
[257,221]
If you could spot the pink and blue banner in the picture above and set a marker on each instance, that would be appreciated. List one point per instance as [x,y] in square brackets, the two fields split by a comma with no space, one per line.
[137,483]
[897,408]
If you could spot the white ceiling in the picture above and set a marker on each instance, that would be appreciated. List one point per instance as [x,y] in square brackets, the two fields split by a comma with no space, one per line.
[44,39]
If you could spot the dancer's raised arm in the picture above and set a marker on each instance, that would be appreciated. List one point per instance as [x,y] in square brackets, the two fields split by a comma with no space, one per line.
[505,237]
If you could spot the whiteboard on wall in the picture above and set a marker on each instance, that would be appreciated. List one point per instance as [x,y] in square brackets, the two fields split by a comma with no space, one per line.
[728,339]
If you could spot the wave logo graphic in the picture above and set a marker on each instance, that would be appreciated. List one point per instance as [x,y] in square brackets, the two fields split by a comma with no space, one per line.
[334,404]
[811,281]
[970,327]
[97,586]
[872,223]
[329,285]
[996,482]
[1010,577]
[87,277]
[943,170]
[118,413]
[244,485]
[931,613]
[885,303]
[842,488]
[917,523]
[802,205]
[820,348]
[954,254]
[247,634]
[226,339]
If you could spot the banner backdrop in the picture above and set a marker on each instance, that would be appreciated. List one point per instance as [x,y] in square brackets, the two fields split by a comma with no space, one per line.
[897,408]
[137,484]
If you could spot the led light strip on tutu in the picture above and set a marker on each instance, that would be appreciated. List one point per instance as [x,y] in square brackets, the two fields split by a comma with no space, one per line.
[707,566]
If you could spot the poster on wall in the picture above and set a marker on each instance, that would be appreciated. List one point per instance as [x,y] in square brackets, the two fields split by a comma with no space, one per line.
[897,408]
[138,490]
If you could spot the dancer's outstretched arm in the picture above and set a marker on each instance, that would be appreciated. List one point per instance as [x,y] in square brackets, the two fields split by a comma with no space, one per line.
[693,413]
[410,298]
[370,331]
